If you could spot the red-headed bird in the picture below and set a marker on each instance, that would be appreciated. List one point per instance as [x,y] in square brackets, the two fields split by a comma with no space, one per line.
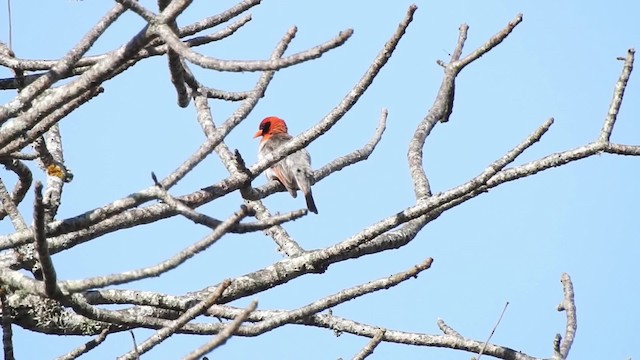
[294,171]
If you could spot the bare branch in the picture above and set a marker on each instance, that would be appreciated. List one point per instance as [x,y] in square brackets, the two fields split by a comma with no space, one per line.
[48,121]
[7,332]
[176,67]
[368,349]
[33,65]
[338,298]
[173,9]
[292,268]
[24,180]
[224,335]
[490,171]
[29,93]
[493,331]
[83,223]
[58,173]
[48,306]
[446,329]
[557,340]
[285,242]
[462,38]
[442,107]
[184,210]
[58,96]
[167,331]
[207,62]
[85,63]
[72,286]
[134,6]
[85,348]
[224,16]
[270,221]
[48,270]
[568,305]
[214,140]
[412,338]
[357,155]
[11,209]
[618,94]
[494,41]
[22,156]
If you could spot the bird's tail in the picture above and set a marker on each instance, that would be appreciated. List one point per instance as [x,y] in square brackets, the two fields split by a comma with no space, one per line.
[311,205]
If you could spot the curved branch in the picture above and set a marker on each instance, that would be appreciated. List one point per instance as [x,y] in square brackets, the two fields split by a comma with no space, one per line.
[443,104]
[174,42]
[568,305]
[24,181]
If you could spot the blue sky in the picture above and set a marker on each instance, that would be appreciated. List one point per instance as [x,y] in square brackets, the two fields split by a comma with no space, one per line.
[511,244]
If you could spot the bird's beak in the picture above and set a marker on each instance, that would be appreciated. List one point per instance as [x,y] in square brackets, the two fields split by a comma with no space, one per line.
[258,134]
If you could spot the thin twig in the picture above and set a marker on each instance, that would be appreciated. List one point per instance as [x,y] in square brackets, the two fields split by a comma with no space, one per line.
[285,242]
[493,331]
[10,208]
[135,345]
[167,331]
[155,270]
[37,130]
[10,24]
[223,336]
[339,298]
[494,41]
[368,349]
[174,42]
[29,93]
[86,347]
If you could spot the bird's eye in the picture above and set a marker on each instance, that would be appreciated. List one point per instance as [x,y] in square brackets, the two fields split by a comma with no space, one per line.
[265,127]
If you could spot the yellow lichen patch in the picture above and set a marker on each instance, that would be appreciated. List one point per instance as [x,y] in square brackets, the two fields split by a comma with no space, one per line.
[57,171]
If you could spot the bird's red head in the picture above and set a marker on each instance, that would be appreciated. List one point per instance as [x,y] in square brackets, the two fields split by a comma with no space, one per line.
[269,126]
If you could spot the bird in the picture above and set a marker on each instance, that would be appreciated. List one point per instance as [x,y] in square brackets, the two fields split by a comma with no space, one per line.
[294,171]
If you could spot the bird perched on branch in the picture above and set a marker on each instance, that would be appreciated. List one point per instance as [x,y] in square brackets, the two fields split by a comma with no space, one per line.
[294,171]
